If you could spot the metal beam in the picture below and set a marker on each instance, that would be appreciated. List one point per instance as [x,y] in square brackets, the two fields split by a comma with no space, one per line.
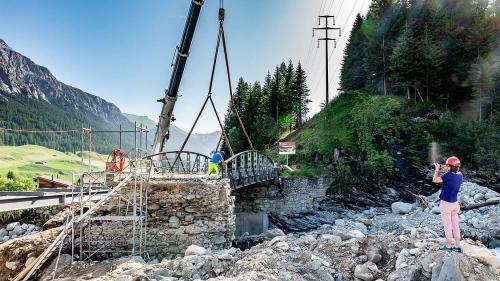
[11,203]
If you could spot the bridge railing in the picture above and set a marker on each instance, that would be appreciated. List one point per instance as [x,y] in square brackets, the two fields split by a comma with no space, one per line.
[188,162]
[249,167]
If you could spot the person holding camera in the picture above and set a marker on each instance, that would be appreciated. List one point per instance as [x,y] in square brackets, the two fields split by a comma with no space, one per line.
[449,205]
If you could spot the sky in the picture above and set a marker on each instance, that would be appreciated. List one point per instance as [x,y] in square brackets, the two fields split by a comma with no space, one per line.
[121,50]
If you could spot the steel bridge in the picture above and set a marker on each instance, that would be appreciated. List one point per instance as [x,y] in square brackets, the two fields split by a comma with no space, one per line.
[243,169]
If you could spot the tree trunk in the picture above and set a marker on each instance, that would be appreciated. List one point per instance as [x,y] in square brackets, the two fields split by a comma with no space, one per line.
[479,205]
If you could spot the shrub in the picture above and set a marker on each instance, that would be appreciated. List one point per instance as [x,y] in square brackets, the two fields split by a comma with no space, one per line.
[11,175]
[18,184]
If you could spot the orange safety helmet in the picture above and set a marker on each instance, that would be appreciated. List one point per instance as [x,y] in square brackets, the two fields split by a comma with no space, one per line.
[453,161]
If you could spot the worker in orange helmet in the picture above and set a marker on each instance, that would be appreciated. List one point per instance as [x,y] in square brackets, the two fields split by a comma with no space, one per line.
[449,205]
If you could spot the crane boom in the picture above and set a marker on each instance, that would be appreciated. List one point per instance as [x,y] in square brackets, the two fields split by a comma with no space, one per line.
[162,133]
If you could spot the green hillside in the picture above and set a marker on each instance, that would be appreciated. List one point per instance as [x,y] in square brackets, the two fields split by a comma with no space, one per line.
[21,160]
[369,132]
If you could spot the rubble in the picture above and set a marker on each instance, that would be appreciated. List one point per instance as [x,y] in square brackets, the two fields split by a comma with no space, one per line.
[16,229]
[372,245]
[315,256]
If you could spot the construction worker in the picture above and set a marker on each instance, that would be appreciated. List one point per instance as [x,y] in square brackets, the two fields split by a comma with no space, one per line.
[217,157]
[449,204]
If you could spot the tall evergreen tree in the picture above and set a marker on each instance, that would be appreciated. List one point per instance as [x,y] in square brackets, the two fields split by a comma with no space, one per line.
[353,75]
[300,95]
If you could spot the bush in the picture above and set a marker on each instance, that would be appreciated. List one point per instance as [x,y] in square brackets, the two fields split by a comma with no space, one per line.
[11,175]
[18,184]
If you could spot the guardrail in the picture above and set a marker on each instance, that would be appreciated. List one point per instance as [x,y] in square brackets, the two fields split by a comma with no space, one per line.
[249,167]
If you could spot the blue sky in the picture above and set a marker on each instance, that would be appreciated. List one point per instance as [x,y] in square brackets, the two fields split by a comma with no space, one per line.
[121,50]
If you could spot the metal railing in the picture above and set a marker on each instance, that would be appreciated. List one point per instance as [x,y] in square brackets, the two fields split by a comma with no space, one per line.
[187,162]
[243,169]
[249,167]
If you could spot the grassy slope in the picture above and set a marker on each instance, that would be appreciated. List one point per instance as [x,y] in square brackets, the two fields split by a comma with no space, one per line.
[19,159]
[325,131]
[363,127]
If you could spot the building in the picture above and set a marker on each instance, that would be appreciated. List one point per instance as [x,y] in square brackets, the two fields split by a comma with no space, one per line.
[50,182]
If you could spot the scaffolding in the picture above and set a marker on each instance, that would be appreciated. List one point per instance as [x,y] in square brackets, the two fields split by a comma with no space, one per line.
[116,226]
[108,226]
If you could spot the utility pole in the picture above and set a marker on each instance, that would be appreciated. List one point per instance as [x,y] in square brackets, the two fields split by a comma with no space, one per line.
[326,28]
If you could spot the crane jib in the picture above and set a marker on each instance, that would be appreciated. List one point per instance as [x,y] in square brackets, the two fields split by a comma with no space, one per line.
[176,77]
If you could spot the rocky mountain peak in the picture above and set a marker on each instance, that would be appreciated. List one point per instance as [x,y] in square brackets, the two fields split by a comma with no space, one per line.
[3,44]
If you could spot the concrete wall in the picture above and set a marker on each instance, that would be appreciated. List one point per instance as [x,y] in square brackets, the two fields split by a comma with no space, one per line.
[295,195]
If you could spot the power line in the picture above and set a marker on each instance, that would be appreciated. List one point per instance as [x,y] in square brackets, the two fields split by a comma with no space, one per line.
[38,131]
[316,69]
[327,40]
[343,27]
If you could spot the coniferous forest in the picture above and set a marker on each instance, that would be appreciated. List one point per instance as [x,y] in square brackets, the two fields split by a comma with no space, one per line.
[414,72]
[270,110]
[445,52]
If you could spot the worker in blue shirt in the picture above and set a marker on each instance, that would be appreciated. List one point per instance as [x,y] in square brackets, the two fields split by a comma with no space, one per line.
[217,157]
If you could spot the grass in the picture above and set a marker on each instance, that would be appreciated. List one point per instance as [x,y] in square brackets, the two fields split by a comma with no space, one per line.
[329,129]
[20,160]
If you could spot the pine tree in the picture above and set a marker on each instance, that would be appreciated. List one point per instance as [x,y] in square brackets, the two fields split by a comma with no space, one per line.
[353,75]
[301,96]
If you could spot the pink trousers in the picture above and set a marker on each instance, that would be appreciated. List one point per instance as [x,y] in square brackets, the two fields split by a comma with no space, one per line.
[449,216]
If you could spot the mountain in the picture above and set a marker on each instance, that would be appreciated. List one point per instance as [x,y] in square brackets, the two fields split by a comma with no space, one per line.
[202,143]
[21,76]
[32,98]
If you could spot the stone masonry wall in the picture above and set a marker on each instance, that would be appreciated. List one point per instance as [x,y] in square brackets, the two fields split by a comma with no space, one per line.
[295,195]
[191,211]
[182,211]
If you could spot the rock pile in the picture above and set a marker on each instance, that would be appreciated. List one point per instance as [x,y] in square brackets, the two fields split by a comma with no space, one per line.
[389,244]
[16,229]
[329,253]
[480,224]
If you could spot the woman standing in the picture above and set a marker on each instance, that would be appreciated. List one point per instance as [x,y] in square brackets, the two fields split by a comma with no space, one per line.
[449,205]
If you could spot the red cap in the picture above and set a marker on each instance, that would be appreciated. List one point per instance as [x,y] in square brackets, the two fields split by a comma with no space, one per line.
[453,161]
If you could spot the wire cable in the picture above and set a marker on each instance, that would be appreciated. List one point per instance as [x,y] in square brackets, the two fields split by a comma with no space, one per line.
[37,131]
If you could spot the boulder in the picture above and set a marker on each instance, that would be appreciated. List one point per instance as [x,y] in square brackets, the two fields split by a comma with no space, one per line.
[365,221]
[18,230]
[414,251]
[449,270]
[374,255]
[482,254]
[490,194]
[31,228]
[11,226]
[402,208]
[335,238]
[411,273]
[478,197]
[195,250]
[340,222]
[3,232]
[11,265]
[366,271]
[361,227]
[346,235]
[478,223]
[271,233]
[402,259]
[493,199]
[282,245]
